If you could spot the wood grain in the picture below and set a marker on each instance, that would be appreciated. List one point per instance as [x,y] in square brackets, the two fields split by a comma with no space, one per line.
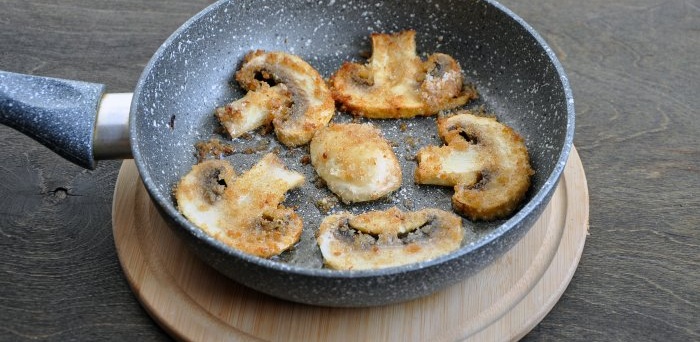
[59,274]
[635,74]
[633,68]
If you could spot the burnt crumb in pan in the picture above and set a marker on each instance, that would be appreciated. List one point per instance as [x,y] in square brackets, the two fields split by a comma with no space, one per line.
[212,149]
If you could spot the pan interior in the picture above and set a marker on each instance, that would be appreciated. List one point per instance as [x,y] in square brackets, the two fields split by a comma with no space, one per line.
[193,73]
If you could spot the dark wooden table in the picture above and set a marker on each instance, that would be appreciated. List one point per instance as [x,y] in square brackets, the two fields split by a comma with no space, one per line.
[634,66]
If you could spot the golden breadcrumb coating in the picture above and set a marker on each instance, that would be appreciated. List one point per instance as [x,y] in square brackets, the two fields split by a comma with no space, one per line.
[380,239]
[486,161]
[257,108]
[311,105]
[396,83]
[243,212]
[355,161]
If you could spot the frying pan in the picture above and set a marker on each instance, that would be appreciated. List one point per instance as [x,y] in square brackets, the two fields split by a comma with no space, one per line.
[517,75]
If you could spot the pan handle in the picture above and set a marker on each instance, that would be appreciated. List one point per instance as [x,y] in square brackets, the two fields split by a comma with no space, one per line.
[62,115]
[111,140]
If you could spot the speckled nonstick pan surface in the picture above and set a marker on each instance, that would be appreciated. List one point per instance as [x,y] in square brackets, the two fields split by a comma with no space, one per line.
[516,75]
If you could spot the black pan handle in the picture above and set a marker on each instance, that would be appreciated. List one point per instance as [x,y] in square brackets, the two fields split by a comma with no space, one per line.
[60,114]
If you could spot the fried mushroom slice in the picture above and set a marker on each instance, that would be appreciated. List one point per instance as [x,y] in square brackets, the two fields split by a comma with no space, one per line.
[486,162]
[380,239]
[312,105]
[395,83]
[257,108]
[243,212]
[355,161]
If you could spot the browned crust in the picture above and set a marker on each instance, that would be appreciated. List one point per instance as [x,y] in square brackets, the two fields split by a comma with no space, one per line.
[296,126]
[395,83]
[505,177]
[357,153]
[379,239]
[209,196]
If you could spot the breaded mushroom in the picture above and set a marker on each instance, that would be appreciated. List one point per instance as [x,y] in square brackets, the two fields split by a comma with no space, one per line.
[486,161]
[243,212]
[310,105]
[257,108]
[355,161]
[396,83]
[380,239]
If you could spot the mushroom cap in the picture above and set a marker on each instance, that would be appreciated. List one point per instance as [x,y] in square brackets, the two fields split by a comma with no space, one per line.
[380,239]
[312,105]
[355,161]
[395,83]
[486,161]
[244,212]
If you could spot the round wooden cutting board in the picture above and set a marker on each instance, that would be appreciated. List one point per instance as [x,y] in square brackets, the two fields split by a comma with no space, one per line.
[502,302]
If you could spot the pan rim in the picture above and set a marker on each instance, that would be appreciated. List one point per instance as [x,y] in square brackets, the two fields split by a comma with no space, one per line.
[538,199]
